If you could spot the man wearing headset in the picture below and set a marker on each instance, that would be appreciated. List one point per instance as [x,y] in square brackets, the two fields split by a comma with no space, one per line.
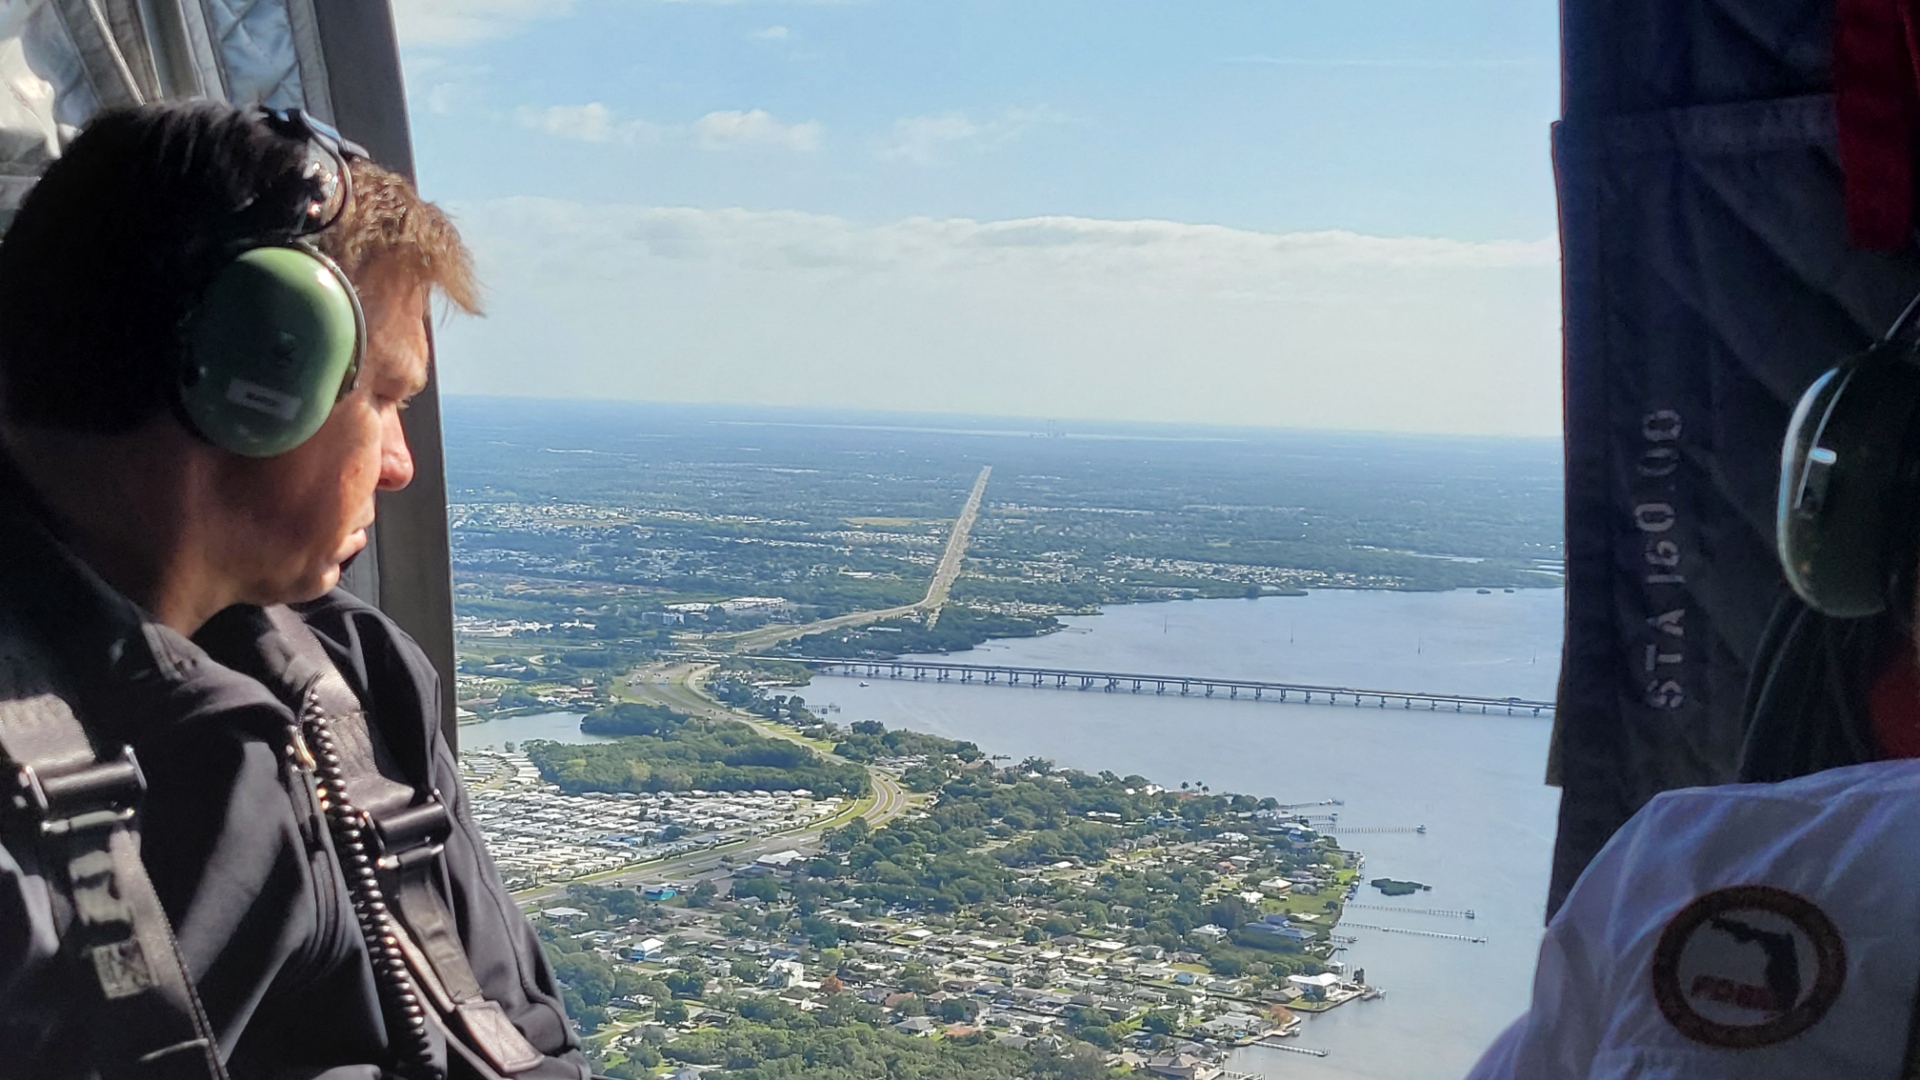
[1769,929]
[257,860]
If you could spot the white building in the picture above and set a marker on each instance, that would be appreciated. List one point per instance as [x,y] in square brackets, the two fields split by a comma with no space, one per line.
[649,949]
[1322,982]
[787,974]
[771,606]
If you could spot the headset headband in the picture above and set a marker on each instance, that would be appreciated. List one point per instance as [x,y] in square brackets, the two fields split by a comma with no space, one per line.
[1848,469]
[329,181]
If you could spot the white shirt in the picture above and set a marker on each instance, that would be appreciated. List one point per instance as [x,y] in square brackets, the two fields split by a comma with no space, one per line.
[1749,931]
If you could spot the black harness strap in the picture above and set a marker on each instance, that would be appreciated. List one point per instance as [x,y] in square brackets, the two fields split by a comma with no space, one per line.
[411,828]
[77,811]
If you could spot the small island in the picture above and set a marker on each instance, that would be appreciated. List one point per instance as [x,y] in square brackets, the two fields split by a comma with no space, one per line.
[1398,888]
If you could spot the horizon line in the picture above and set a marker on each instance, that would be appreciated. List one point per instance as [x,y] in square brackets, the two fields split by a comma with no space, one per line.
[1020,425]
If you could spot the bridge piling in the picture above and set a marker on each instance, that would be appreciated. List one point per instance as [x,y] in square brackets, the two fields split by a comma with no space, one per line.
[1113,681]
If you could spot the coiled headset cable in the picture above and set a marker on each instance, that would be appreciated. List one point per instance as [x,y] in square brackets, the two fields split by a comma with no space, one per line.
[406,1012]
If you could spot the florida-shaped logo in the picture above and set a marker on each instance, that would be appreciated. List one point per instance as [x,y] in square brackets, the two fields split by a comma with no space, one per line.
[1748,966]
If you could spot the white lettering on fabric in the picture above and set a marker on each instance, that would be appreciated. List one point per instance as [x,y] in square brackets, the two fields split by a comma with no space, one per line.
[1663,648]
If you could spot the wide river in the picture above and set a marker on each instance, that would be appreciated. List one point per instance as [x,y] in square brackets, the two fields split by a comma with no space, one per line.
[1474,781]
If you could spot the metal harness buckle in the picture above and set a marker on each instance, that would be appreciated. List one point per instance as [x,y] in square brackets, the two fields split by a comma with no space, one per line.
[103,794]
[411,835]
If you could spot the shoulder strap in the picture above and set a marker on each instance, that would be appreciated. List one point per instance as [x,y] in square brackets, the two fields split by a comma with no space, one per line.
[78,812]
[409,828]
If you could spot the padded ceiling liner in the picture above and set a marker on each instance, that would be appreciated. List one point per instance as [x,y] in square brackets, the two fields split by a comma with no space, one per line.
[62,60]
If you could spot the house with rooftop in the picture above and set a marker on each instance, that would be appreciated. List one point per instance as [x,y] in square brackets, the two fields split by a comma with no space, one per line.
[1277,926]
[1182,1067]
[1235,1025]
[916,1025]
[1315,987]
[779,860]
[648,949]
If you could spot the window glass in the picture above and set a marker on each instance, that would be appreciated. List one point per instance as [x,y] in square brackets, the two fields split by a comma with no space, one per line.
[1008,539]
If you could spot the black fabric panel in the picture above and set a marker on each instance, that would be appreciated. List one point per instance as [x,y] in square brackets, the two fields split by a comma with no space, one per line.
[1707,283]
[363,69]
[1624,57]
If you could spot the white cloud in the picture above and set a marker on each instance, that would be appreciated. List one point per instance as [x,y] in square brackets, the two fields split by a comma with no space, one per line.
[463,22]
[595,122]
[447,87]
[1054,316]
[441,23]
[772,33]
[444,98]
[919,139]
[916,137]
[1404,63]
[726,130]
[592,122]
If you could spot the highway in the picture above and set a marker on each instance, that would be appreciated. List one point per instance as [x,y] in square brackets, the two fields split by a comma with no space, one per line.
[766,637]
[944,574]
[956,553]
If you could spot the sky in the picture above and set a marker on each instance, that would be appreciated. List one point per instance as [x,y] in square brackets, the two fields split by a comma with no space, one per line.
[1334,215]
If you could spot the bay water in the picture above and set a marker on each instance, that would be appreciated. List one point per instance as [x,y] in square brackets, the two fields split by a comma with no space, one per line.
[496,734]
[1475,781]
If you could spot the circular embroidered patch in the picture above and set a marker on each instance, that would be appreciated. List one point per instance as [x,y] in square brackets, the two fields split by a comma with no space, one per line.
[1748,966]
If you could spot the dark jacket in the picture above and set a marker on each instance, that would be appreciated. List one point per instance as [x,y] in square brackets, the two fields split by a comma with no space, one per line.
[228,832]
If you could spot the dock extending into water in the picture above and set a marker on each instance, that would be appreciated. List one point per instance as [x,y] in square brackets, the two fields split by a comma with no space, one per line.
[1271,1044]
[1416,933]
[1421,829]
[1443,912]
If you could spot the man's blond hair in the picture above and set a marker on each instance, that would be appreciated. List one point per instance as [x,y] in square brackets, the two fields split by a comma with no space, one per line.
[387,225]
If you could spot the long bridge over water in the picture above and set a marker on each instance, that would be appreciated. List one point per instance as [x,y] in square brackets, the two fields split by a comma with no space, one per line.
[1183,685]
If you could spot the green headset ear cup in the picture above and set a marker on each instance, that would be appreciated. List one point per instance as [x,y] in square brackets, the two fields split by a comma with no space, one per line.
[274,343]
[1841,472]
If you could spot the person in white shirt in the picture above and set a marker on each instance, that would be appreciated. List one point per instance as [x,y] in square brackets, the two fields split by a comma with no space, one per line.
[1750,931]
